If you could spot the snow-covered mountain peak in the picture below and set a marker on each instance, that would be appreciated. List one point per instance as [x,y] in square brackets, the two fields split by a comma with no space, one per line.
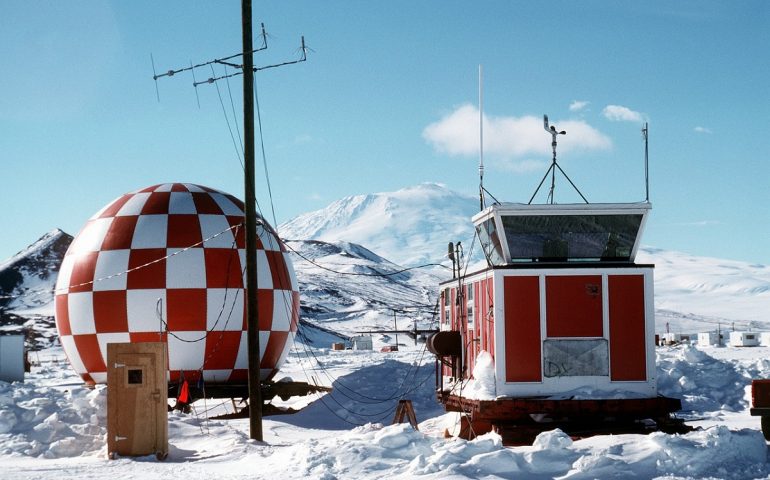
[51,240]
[410,226]
[27,281]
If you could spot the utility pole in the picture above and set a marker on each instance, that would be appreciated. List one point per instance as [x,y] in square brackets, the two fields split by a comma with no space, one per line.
[252,318]
[247,69]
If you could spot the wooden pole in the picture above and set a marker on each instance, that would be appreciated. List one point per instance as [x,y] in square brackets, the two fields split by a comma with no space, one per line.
[252,318]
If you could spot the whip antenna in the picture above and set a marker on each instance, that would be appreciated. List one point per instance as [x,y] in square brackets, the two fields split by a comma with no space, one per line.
[481,140]
[645,135]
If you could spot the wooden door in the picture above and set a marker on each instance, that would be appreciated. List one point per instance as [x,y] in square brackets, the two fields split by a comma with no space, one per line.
[137,399]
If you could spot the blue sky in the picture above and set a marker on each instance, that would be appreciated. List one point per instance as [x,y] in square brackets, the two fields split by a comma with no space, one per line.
[388,99]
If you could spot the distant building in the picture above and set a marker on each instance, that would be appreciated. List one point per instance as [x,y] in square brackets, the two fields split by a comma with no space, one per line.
[671,338]
[362,342]
[706,339]
[744,339]
[12,358]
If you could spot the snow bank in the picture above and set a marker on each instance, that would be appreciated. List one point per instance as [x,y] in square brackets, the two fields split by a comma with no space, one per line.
[47,422]
[716,452]
[398,451]
[53,427]
[483,385]
[704,383]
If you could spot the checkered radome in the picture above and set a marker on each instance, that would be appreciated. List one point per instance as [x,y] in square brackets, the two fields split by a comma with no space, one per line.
[168,262]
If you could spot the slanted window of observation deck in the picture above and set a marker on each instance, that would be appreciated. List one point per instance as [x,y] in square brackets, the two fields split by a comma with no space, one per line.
[560,233]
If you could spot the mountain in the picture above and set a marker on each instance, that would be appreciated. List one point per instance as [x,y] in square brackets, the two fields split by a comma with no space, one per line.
[411,226]
[351,289]
[27,281]
[696,294]
[32,270]
[345,287]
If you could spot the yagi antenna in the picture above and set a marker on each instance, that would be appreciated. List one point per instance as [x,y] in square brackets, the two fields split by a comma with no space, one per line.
[552,169]
[155,77]
[303,58]
[222,61]
[197,98]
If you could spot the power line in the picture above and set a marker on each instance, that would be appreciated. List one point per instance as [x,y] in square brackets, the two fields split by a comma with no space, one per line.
[361,274]
[90,282]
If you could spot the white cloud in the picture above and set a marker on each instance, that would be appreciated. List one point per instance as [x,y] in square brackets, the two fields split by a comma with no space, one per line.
[508,137]
[578,105]
[703,130]
[618,113]
[702,223]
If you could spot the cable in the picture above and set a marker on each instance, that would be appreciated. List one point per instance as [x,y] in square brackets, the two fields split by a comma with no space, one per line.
[196,244]
[224,304]
[227,120]
[375,400]
[361,274]
[264,157]
[235,116]
[396,395]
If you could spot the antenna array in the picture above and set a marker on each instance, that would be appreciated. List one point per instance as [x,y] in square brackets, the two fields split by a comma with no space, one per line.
[226,62]
[247,69]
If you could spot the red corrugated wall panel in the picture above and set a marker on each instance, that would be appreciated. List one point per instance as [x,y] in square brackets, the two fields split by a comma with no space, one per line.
[489,295]
[628,360]
[522,329]
[574,306]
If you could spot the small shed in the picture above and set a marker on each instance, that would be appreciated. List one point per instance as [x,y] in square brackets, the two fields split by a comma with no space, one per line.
[764,339]
[12,358]
[706,339]
[362,342]
[744,339]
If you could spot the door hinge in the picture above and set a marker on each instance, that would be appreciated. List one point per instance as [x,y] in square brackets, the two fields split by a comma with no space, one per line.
[119,365]
[119,438]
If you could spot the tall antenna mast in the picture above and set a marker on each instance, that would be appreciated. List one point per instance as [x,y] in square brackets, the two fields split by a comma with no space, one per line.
[645,134]
[481,140]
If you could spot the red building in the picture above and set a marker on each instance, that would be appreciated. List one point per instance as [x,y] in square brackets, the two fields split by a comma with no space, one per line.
[565,313]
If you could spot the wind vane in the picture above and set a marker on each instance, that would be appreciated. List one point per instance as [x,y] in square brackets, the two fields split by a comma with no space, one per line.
[552,169]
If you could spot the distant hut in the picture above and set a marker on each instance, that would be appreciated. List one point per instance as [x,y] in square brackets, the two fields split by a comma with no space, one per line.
[706,339]
[12,358]
[671,338]
[744,339]
[362,342]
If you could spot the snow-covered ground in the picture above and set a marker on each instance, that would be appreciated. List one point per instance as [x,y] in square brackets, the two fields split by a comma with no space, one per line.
[53,427]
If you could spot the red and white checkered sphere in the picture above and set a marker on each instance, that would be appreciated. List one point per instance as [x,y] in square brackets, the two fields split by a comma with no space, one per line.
[168,263]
